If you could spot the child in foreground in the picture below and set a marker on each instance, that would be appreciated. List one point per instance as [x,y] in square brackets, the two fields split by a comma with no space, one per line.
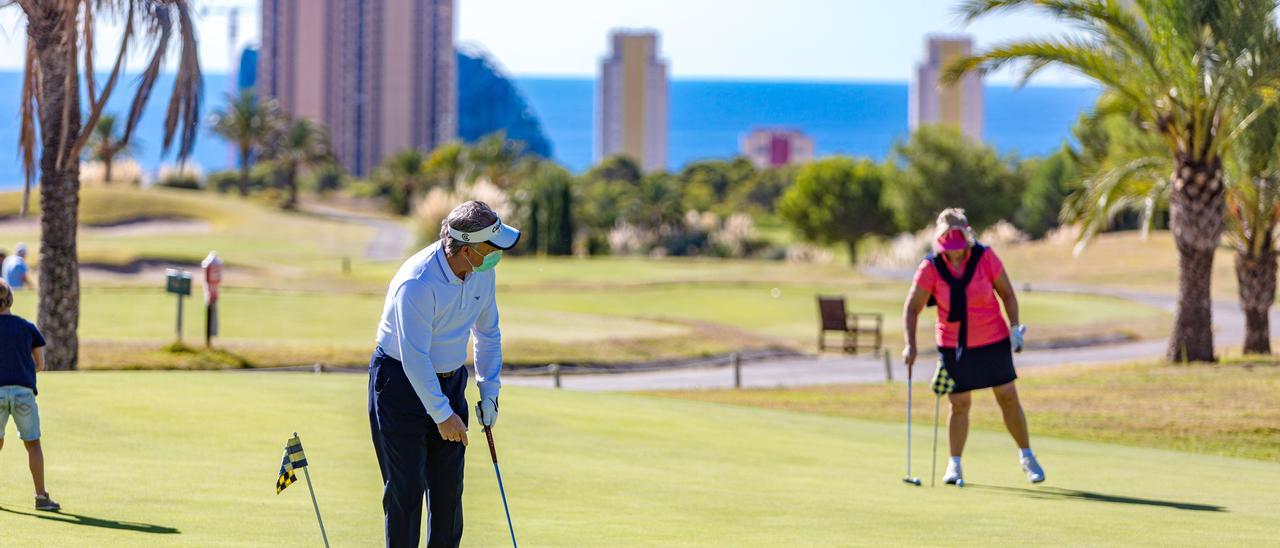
[21,356]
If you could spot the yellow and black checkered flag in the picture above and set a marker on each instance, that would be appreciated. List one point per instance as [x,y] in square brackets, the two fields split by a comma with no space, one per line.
[294,459]
[942,381]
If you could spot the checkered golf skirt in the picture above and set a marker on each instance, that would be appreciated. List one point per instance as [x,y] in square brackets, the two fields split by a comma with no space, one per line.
[979,367]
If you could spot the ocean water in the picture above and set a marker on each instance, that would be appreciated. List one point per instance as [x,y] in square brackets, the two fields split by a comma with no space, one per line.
[862,119]
[707,118]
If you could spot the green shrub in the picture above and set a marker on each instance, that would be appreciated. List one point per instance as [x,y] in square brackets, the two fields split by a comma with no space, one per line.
[184,181]
[326,178]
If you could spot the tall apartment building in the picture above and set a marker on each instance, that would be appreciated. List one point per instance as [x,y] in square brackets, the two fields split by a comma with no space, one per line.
[632,100]
[958,105]
[776,147]
[380,74]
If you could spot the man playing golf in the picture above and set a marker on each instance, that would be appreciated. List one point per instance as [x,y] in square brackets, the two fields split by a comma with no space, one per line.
[417,405]
[975,345]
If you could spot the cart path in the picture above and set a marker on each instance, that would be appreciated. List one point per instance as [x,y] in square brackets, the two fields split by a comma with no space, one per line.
[390,239]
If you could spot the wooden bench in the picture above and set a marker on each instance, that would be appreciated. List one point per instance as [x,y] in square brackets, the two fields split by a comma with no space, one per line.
[861,332]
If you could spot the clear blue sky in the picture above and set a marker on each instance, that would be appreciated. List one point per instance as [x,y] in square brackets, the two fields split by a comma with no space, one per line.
[758,39]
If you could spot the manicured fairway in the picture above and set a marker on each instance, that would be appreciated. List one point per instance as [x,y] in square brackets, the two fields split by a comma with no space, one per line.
[179,458]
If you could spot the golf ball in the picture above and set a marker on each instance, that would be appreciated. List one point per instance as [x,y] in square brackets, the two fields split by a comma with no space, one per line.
[775,292]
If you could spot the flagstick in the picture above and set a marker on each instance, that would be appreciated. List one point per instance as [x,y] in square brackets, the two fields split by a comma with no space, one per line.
[306,471]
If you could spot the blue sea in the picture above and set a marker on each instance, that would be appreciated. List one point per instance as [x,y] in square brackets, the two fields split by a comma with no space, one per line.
[707,118]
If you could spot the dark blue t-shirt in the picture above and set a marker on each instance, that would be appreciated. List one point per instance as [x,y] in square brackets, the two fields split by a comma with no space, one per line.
[18,337]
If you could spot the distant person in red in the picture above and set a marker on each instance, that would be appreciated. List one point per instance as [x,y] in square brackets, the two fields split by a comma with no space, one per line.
[21,356]
[975,345]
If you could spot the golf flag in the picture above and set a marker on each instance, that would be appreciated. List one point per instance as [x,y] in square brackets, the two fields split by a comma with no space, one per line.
[294,459]
[942,381]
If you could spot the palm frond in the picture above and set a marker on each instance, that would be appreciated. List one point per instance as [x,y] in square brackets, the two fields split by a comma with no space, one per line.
[96,106]
[1134,184]
[1081,56]
[182,117]
[27,136]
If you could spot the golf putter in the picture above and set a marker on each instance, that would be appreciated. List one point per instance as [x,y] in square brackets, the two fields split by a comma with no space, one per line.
[933,473]
[493,453]
[908,478]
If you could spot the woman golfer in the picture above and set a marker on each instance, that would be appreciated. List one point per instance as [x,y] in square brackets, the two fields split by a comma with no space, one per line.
[975,345]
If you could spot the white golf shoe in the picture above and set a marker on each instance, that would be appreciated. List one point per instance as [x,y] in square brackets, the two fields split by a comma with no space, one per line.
[954,475]
[1035,474]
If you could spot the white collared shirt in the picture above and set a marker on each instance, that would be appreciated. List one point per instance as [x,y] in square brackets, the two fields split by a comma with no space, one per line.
[427,320]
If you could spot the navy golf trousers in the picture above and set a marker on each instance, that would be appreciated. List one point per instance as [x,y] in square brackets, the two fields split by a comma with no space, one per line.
[414,459]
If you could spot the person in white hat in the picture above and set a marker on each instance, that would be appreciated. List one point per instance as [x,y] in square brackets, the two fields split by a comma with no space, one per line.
[15,269]
[417,403]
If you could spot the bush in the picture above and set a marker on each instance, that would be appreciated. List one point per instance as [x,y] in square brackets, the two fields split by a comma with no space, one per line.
[326,178]
[179,177]
[432,209]
[430,212]
[228,181]
[939,167]
[838,200]
[365,188]
[1049,182]
[223,181]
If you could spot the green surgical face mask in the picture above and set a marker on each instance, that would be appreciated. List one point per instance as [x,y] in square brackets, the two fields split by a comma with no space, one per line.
[490,261]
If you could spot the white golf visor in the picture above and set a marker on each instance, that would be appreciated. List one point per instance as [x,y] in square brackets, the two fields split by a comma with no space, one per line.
[498,235]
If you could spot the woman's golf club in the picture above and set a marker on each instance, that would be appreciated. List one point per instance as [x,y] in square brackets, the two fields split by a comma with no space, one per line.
[933,474]
[909,478]
[494,454]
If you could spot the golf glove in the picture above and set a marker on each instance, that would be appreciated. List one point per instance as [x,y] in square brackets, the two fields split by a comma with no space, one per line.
[488,411]
[1017,337]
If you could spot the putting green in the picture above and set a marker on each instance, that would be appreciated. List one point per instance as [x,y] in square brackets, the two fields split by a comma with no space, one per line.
[176,458]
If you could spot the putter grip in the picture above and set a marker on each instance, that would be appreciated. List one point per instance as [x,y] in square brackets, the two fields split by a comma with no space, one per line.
[493,452]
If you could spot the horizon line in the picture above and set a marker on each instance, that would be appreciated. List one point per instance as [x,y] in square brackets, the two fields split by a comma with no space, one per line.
[757,79]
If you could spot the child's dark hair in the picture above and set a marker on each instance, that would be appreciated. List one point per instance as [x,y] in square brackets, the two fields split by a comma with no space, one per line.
[6,296]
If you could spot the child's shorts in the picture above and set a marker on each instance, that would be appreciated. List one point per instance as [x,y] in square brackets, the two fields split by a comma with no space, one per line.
[20,402]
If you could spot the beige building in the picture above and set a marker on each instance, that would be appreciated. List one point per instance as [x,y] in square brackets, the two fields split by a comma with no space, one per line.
[775,147]
[631,105]
[380,74]
[959,105]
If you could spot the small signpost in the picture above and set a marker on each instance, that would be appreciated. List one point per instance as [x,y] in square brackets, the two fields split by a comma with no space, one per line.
[178,282]
[212,266]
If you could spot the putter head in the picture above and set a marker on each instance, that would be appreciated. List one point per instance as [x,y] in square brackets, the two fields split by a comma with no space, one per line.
[912,481]
[959,483]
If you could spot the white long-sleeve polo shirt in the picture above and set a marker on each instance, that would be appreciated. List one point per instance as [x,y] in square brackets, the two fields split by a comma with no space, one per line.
[427,320]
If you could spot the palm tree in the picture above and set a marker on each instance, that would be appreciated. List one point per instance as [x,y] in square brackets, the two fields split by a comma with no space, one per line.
[1128,173]
[106,144]
[446,164]
[1185,70]
[300,144]
[402,175]
[247,123]
[1253,211]
[498,160]
[60,33]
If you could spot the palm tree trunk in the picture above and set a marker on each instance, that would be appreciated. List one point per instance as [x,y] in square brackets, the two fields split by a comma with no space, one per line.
[291,181]
[244,172]
[59,304]
[408,199]
[106,168]
[1195,217]
[1256,274]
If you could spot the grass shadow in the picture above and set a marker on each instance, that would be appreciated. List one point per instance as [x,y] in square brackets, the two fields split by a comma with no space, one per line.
[76,519]
[1060,493]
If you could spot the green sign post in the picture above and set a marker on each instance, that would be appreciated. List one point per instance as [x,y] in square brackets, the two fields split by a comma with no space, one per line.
[178,282]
